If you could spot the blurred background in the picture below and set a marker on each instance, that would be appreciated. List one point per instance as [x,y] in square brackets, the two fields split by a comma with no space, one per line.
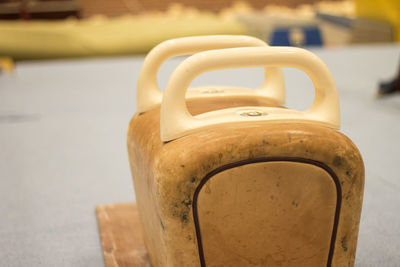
[42,29]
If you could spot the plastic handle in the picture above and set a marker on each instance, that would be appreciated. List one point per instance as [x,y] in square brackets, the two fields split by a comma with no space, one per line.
[176,121]
[149,94]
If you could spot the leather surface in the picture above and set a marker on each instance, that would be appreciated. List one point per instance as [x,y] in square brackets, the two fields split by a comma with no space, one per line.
[166,175]
[267,214]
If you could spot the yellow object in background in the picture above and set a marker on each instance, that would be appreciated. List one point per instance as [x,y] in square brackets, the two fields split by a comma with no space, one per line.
[100,36]
[6,64]
[383,10]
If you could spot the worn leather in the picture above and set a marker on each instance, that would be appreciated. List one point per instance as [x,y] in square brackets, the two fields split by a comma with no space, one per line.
[166,175]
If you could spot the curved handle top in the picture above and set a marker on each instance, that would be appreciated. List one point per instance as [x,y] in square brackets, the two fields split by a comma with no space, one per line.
[149,94]
[176,121]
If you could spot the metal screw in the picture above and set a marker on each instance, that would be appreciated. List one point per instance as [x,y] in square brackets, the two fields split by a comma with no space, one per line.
[212,91]
[252,113]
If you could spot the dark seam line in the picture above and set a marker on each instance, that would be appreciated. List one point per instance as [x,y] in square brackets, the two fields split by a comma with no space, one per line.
[272,159]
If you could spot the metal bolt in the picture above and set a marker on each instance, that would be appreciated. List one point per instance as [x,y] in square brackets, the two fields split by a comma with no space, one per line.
[253,113]
[212,91]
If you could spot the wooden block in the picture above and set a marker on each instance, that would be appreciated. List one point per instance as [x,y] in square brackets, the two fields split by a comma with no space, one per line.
[121,235]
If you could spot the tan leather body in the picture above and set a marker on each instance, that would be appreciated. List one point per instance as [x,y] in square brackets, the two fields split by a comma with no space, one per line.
[265,194]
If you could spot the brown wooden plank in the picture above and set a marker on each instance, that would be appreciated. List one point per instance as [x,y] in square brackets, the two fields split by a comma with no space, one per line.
[121,235]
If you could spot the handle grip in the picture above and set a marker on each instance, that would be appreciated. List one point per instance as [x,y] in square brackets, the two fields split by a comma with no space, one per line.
[176,121]
[149,94]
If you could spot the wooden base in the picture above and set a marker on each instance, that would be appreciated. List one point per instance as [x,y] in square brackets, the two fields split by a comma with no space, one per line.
[121,236]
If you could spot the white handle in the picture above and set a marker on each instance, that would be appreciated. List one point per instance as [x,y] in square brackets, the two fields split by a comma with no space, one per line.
[149,94]
[176,121]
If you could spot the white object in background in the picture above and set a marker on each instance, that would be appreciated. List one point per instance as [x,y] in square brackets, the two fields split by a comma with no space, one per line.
[149,94]
[176,121]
